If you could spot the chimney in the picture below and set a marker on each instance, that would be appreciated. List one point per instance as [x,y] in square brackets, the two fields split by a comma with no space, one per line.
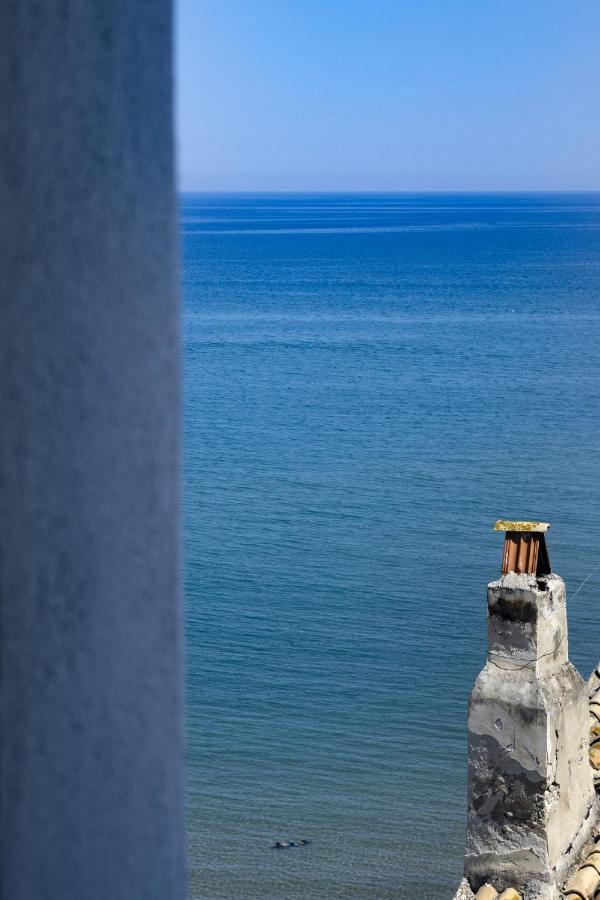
[525,548]
[530,794]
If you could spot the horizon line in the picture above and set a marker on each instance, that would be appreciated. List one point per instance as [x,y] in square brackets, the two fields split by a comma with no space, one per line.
[182,190]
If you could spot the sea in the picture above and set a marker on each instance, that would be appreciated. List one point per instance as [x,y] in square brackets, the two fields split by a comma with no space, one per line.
[371,380]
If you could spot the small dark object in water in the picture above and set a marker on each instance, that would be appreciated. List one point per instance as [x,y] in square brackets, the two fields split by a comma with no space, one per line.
[284,845]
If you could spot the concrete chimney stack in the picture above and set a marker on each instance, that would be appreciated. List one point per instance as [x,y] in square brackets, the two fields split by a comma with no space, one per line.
[530,795]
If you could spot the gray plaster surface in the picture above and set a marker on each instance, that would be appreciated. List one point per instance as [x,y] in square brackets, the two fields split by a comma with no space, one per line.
[90,704]
[531,797]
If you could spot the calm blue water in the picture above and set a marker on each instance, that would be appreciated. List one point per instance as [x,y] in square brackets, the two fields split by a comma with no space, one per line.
[370,382]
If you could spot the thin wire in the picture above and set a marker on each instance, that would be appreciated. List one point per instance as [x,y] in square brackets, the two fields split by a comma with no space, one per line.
[529,661]
[585,580]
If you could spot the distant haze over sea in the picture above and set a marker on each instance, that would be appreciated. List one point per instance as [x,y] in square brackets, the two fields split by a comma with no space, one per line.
[370,381]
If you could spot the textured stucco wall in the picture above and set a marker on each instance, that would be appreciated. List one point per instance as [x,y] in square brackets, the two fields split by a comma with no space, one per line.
[531,800]
[90,705]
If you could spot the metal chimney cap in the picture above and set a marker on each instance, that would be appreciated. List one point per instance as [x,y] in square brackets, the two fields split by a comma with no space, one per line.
[506,525]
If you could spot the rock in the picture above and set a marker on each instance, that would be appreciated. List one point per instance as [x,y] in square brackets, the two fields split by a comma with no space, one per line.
[285,845]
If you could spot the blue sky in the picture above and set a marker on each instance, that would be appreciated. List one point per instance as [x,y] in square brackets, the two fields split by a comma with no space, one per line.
[381,95]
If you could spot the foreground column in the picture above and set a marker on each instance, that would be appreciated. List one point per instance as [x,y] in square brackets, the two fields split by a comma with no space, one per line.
[90,711]
[530,784]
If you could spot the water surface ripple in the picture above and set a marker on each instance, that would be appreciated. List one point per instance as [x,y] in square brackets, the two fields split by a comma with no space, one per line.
[370,381]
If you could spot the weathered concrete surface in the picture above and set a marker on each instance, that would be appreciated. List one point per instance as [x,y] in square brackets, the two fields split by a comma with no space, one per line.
[531,797]
[90,711]
[464,892]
